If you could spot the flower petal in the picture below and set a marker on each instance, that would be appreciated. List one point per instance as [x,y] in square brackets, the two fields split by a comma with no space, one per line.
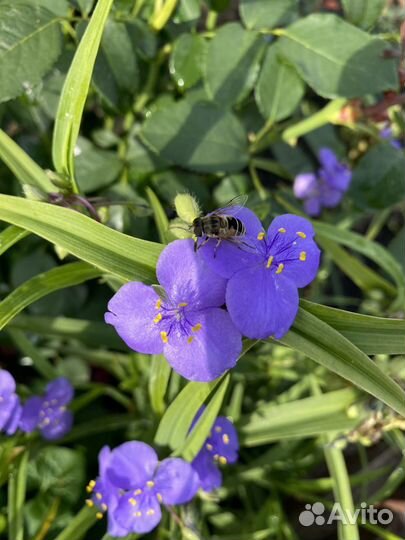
[7,383]
[176,481]
[260,303]
[331,197]
[61,390]
[231,256]
[30,414]
[224,439]
[312,206]
[305,185]
[138,514]
[187,278]
[208,472]
[58,427]
[211,349]
[336,174]
[14,419]
[131,465]
[7,406]
[131,311]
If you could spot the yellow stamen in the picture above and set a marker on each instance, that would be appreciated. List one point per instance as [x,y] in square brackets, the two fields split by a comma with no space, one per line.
[269,261]
[138,514]
[150,512]
[222,460]
[280,268]
[183,304]
[197,327]
[209,447]
[150,483]
[158,318]
[132,501]
[104,507]
[159,497]
[282,230]
[99,496]
[190,339]
[225,438]
[216,457]
[138,492]
[164,337]
[303,256]
[159,303]
[90,486]
[261,235]
[89,503]
[99,515]
[301,234]
[218,429]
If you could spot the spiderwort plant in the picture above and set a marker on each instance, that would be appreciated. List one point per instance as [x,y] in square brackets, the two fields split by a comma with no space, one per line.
[262,290]
[133,485]
[326,188]
[10,407]
[187,325]
[49,413]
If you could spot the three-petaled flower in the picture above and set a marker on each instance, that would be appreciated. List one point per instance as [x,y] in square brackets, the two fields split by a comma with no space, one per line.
[187,324]
[326,188]
[261,294]
[133,485]
[220,448]
[10,408]
[48,413]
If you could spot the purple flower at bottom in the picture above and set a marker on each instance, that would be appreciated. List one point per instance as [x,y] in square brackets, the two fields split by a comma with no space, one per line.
[262,291]
[133,485]
[388,134]
[10,408]
[188,325]
[326,188]
[220,448]
[49,413]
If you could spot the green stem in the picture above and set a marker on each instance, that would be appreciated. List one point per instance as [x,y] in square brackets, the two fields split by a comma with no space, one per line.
[79,524]
[151,80]
[261,190]
[377,223]
[162,15]
[40,363]
[16,496]
[211,21]
[271,166]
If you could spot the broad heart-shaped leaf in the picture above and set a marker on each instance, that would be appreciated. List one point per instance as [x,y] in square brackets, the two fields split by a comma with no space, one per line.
[42,285]
[198,136]
[266,13]
[329,348]
[279,88]
[185,62]
[232,63]
[364,13]
[116,253]
[379,180]
[30,43]
[352,64]
[301,418]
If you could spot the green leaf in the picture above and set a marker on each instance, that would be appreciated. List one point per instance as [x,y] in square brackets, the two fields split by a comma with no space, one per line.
[162,222]
[279,89]
[78,526]
[113,252]
[95,168]
[193,443]
[364,13]
[158,381]
[16,496]
[23,167]
[378,179]
[198,136]
[266,13]
[329,348]
[352,64]
[59,7]
[10,236]
[232,63]
[30,43]
[75,90]
[307,417]
[42,285]
[185,63]
[176,422]
[373,335]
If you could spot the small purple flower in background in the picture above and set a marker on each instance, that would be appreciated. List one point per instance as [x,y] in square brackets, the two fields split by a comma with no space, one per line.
[326,188]
[188,326]
[49,413]
[10,408]
[262,291]
[387,133]
[133,485]
[220,448]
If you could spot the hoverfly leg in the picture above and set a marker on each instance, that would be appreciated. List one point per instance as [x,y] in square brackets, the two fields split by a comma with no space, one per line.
[196,246]
[217,246]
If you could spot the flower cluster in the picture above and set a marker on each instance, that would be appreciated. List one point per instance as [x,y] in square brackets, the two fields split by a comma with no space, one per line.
[257,278]
[47,413]
[326,188]
[133,485]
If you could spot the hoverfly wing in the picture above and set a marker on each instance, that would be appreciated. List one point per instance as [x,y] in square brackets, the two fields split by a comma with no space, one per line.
[239,201]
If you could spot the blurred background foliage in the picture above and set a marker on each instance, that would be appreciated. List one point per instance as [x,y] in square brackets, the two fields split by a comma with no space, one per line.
[216,98]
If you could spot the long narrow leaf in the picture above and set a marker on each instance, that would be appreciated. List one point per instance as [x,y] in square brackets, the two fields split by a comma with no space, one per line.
[10,236]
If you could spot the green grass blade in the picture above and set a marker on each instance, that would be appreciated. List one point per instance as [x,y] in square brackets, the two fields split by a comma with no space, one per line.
[78,526]
[75,90]
[40,363]
[158,380]
[16,496]
[10,236]
[42,285]
[113,252]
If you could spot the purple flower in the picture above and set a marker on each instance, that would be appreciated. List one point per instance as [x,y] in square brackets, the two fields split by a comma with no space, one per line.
[188,326]
[133,485]
[49,413]
[387,133]
[220,448]
[10,408]
[326,188]
[261,295]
